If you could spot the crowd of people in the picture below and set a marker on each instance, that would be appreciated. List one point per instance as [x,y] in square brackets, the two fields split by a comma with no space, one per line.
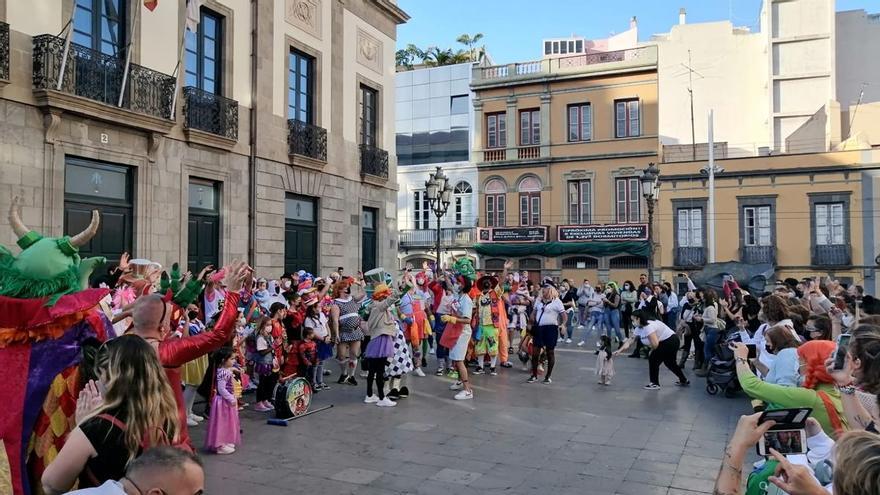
[237,334]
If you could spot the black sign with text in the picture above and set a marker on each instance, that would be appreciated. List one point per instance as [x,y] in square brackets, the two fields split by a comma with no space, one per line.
[513,234]
[617,232]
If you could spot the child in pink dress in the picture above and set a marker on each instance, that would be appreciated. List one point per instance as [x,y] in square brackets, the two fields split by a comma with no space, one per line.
[224,429]
[604,362]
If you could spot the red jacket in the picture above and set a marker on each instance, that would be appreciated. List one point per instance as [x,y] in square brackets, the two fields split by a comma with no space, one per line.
[436,289]
[174,353]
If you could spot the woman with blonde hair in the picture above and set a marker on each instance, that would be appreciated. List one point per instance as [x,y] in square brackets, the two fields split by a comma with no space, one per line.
[132,407]
[547,318]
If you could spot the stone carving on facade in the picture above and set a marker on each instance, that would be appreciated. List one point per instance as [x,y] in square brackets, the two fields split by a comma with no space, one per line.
[304,14]
[369,51]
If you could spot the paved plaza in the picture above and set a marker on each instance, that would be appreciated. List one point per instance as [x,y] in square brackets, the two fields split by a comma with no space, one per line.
[573,436]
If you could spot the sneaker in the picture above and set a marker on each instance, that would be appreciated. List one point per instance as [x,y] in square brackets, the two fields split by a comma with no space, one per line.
[328,372]
[386,402]
[351,381]
[371,399]
[507,364]
[683,383]
[541,368]
[191,422]
[226,450]
[479,370]
[419,372]
[424,363]
[493,372]
[532,379]
[547,381]
[364,374]
[432,351]
[581,343]
[394,394]
[559,340]
[453,374]
[439,371]
[324,386]
[464,395]
[404,392]
[341,379]
[568,341]
[456,386]
[260,407]
[196,417]
[652,386]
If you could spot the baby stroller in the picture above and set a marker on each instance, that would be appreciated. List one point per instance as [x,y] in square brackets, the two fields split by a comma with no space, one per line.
[722,368]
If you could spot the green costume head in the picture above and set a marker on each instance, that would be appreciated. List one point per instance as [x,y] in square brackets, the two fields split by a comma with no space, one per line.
[463,266]
[47,266]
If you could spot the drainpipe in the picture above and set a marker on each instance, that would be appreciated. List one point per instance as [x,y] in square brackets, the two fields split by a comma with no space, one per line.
[252,132]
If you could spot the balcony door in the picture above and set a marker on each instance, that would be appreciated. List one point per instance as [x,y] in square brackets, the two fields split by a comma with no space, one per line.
[100,25]
[368,239]
[203,53]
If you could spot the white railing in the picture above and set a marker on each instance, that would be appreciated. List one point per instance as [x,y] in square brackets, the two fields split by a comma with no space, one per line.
[638,56]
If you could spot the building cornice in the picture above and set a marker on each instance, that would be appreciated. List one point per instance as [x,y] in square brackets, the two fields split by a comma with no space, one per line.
[391,10]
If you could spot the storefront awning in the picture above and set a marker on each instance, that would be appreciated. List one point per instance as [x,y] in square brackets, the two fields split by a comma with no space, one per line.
[633,248]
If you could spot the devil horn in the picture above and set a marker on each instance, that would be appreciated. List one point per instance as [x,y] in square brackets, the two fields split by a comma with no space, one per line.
[18,226]
[86,235]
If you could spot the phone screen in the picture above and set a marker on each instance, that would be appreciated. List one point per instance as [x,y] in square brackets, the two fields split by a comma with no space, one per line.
[783,441]
[753,350]
[841,350]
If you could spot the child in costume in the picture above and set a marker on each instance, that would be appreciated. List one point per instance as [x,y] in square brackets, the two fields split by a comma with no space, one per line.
[193,372]
[424,295]
[604,361]
[265,366]
[457,333]
[383,331]
[308,358]
[224,429]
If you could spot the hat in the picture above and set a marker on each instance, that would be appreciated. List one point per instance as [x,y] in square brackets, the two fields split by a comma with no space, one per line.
[304,286]
[381,291]
[310,297]
[493,281]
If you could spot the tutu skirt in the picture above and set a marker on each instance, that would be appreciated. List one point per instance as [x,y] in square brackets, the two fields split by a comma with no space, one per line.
[193,372]
[380,347]
[325,351]
[223,425]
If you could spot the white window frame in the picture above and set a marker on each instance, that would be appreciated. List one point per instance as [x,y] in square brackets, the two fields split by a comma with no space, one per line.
[495,210]
[627,118]
[421,210]
[580,122]
[757,229]
[830,224]
[690,227]
[579,199]
[628,205]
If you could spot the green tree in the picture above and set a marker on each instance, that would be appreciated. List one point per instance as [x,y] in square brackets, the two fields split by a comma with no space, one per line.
[475,53]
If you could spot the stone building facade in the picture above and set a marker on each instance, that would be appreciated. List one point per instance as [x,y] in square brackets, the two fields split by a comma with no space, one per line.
[310,185]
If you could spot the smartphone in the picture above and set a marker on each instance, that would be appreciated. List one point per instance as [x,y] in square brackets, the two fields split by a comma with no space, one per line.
[841,350]
[753,350]
[783,441]
[825,304]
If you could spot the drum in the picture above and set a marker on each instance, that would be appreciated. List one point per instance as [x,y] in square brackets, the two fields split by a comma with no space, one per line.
[293,398]
[375,276]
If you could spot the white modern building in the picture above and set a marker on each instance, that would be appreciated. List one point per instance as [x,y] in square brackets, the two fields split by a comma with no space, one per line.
[796,81]
[434,118]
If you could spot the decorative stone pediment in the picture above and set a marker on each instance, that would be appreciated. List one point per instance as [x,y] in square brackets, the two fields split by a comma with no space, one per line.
[304,14]
[369,51]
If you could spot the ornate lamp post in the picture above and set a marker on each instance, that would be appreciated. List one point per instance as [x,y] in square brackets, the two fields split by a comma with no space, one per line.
[439,196]
[651,191]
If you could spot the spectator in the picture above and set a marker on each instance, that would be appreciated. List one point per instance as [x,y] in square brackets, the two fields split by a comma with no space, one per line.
[163,470]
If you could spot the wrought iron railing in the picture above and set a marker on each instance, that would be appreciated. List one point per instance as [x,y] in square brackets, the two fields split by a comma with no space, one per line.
[758,254]
[374,161]
[453,236]
[690,256]
[210,113]
[832,255]
[4,51]
[306,140]
[94,75]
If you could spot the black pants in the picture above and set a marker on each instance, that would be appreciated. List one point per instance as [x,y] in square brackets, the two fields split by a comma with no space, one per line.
[376,372]
[665,353]
[266,387]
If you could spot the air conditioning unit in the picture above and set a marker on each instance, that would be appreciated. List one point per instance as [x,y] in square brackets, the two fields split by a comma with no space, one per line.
[763,151]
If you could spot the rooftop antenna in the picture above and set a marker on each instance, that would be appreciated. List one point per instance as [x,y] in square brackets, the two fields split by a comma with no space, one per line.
[691,71]
[853,118]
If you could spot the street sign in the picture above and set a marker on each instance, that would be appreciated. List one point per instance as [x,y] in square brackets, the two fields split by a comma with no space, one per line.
[536,233]
[615,232]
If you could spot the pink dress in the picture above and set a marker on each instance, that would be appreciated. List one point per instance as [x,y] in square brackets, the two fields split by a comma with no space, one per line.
[223,425]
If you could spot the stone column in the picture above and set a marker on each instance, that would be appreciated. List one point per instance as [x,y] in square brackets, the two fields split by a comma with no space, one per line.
[477,142]
[512,128]
[545,125]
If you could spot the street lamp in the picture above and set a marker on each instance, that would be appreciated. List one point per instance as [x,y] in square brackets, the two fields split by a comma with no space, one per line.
[651,191]
[439,196]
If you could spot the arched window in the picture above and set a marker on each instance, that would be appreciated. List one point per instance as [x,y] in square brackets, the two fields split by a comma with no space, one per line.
[530,200]
[462,204]
[580,262]
[494,265]
[496,202]
[628,262]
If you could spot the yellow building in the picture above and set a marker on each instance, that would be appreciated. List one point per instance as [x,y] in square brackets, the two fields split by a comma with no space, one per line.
[560,145]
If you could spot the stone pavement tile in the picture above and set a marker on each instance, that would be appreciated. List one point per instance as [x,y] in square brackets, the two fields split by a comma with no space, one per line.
[604,471]
[672,448]
[492,482]
[679,491]
[356,476]
[651,478]
[653,466]
[245,474]
[396,482]
[370,490]
[633,488]
[560,465]
[411,426]
[300,483]
[596,484]
[413,470]
[698,471]
[431,487]
[457,476]
[225,486]
[693,484]
[651,455]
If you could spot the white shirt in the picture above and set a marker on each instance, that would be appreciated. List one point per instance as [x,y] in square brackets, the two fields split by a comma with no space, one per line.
[548,313]
[654,326]
[319,325]
[262,343]
[109,487]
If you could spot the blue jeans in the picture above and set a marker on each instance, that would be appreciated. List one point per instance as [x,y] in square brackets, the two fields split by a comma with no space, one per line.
[569,324]
[709,345]
[596,319]
[612,323]
[439,326]
[672,318]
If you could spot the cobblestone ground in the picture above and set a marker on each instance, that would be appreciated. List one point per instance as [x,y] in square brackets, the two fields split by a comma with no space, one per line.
[573,436]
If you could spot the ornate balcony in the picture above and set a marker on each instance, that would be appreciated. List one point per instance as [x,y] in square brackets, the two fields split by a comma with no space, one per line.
[210,113]
[4,51]
[690,256]
[495,155]
[427,238]
[757,254]
[92,83]
[374,163]
[831,255]
[307,140]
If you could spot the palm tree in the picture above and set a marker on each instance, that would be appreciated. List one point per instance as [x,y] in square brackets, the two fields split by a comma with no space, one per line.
[406,56]
[471,43]
[435,57]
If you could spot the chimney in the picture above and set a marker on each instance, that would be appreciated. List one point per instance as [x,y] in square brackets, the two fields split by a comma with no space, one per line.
[633,23]
[682,15]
